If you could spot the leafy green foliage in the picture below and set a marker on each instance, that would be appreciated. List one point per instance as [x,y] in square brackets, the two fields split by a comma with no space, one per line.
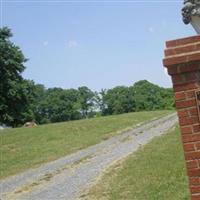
[14,91]
[119,100]
[58,105]
[151,97]
[143,95]
[86,100]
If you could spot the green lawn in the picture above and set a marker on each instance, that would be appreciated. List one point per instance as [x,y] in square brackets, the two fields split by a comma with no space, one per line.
[155,172]
[24,148]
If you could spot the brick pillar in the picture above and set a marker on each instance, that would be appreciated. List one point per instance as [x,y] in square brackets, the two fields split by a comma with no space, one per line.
[182,60]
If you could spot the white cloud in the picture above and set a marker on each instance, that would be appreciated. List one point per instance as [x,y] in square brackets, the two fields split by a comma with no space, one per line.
[72,44]
[151,30]
[45,43]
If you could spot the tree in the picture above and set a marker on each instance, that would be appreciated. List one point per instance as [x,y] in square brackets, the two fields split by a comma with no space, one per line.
[58,105]
[119,100]
[149,96]
[13,88]
[142,96]
[86,97]
[38,92]
[100,102]
[30,97]
[167,98]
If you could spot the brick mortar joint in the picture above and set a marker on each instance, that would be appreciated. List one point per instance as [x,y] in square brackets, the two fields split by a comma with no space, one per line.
[182,46]
[191,90]
[196,124]
[179,70]
[193,151]
[182,41]
[183,82]
[187,99]
[194,83]
[190,143]
[182,54]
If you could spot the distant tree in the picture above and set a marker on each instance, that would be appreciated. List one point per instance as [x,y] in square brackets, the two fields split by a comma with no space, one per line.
[166,95]
[142,96]
[27,114]
[145,95]
[39,92]
[119,100]
[58,105]
[149,96]
[13,88]
[86,98]
[100,102]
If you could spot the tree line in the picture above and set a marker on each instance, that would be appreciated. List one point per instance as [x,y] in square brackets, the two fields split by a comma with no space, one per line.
[23,100]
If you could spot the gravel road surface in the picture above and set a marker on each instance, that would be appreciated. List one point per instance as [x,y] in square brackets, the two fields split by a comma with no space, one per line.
[68,177]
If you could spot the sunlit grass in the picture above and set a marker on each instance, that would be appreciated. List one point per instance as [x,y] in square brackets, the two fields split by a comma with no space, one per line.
[23,148]
[155,172]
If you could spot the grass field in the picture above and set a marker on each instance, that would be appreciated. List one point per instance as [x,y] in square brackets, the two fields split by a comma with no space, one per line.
[24,148]
[155,172]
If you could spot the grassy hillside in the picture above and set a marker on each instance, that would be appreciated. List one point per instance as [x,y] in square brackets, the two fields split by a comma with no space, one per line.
[155,172]
[23,148]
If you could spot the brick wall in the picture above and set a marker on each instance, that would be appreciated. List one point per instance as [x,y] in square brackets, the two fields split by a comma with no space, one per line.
[182,60]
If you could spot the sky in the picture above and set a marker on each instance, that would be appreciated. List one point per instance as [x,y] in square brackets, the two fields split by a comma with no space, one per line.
[98,44]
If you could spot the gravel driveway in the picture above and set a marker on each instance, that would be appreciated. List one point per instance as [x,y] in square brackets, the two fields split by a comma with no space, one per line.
[66,178]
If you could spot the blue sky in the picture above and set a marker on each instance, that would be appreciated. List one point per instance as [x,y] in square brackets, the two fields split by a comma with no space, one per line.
[100,44]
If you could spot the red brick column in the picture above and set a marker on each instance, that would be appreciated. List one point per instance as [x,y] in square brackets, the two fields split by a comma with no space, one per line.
[182,60]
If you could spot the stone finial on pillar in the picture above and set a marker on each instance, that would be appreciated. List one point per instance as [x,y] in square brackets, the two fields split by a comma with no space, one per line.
[191,13]
[182,60]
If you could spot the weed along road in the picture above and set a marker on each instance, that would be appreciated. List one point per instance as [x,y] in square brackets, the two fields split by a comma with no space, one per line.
[68,177]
